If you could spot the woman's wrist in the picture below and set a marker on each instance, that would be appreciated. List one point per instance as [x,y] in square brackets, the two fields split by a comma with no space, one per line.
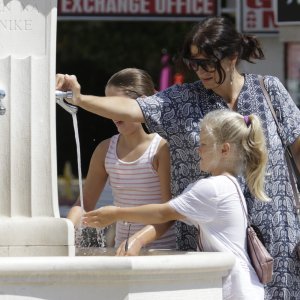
[80,100]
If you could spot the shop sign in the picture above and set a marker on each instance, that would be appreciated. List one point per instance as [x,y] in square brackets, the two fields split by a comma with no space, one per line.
[136,10]
[257,16]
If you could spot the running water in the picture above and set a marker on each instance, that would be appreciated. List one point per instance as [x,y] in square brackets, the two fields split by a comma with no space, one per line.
[84,236]
[75,125]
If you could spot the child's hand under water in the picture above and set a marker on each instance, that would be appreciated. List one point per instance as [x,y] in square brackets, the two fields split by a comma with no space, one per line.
[134,247]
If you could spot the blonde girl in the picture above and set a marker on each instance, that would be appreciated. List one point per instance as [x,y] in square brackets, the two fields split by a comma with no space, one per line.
[230,145]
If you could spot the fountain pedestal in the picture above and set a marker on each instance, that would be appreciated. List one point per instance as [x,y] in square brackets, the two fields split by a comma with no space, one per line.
[30,224]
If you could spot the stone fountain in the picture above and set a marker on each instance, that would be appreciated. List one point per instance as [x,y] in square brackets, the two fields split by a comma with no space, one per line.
[29,214]
[37,252]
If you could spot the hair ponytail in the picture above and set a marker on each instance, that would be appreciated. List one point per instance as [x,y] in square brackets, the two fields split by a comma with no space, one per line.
[250,48]
[255,158]
[246,138]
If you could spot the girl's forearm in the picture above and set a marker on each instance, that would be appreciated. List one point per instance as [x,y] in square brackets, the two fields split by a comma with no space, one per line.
[146,214]
[151,233]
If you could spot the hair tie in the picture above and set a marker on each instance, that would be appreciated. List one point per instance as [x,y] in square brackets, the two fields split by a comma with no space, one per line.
[247,120]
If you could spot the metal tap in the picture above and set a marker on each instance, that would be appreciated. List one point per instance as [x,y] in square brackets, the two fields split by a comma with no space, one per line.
[2,107]
[60,99]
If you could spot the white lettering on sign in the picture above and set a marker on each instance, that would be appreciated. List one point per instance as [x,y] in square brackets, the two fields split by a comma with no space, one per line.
[77,6]
[71,6]
[177,7]
[65,6]
[107,6]
[184,6]
[131,6]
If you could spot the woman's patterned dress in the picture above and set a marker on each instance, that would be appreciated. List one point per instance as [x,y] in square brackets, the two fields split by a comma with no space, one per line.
[175,114]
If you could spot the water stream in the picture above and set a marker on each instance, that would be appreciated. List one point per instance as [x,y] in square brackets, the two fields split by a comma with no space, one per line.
[85,237]
[75,125]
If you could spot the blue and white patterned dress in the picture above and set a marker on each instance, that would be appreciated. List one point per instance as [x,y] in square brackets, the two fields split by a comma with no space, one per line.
[175,114]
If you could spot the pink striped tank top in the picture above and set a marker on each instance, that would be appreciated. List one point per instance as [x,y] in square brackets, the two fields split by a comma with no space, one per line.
[136,183]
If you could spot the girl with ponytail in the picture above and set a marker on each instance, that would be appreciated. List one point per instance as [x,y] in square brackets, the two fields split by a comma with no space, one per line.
[230,145]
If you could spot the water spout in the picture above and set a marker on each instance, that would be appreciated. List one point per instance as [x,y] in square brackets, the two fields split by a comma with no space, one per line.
[2,107]
[60,99]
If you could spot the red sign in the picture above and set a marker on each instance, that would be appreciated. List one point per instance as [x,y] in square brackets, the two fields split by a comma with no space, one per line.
[136,9]
[257,16]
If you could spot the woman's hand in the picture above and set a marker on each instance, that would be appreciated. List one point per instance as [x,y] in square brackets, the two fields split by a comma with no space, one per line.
[116,108]
[65,82]
[134,247]
[100,217]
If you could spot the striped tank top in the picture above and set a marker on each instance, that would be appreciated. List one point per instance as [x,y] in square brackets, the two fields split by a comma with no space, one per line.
[136,183]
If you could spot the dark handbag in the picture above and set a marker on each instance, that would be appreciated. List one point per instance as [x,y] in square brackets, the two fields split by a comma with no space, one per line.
[260,258]
[291,164]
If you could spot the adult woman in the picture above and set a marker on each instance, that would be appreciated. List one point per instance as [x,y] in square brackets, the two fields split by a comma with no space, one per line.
[213,49]
[230,145]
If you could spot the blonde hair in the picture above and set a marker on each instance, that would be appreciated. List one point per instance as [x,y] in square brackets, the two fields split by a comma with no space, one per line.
[246,138]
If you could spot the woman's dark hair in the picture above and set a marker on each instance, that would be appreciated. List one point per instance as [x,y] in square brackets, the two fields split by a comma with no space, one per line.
[133,82]
[216,38]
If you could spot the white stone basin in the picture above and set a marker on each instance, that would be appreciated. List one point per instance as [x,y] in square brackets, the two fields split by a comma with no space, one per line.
[190,276]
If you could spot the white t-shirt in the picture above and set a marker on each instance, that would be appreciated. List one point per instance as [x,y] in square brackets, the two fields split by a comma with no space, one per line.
[214,204]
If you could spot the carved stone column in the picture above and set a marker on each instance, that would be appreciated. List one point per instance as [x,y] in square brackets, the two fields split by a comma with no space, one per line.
[30,224]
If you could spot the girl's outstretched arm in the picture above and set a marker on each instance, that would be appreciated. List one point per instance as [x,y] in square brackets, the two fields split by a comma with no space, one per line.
[144,214]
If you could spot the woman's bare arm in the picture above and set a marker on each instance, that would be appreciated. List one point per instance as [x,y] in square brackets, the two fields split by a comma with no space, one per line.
[115,108]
